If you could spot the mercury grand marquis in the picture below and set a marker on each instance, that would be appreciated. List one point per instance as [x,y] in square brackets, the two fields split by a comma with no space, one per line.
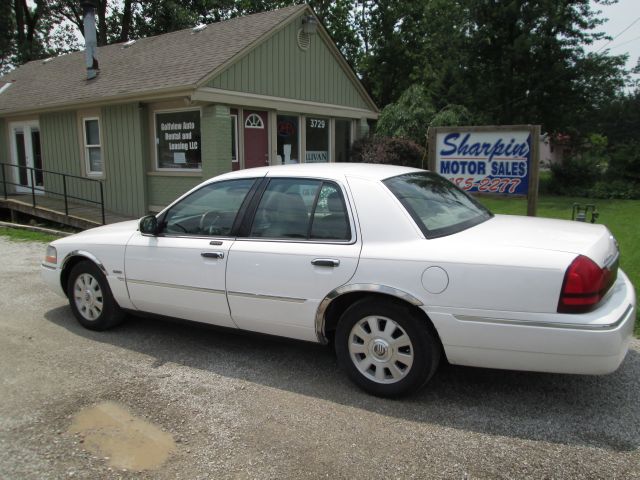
[396,267]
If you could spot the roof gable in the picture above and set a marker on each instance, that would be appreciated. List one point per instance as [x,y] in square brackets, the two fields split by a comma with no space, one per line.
[278,67]
[169,62]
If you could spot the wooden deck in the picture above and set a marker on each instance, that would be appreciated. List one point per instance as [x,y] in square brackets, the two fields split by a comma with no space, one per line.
[81,215]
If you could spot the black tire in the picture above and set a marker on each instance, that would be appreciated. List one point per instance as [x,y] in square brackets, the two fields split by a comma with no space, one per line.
[91,299]
[386,352]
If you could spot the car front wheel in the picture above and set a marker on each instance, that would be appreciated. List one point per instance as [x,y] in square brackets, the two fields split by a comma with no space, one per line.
[386,348]
[90,298]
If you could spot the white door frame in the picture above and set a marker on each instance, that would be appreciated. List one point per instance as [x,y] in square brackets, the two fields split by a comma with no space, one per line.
[27,127]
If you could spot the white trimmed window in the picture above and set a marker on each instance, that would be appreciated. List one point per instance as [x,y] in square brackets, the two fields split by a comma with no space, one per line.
[92,146]
[254,121]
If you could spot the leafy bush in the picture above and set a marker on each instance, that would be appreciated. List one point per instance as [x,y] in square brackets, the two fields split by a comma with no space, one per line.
[625,161]
[600,171]
[622,189]
[574,175]
[409,117]
[388,150]
[414,113]
[577,174]
[544,182]
[452,116]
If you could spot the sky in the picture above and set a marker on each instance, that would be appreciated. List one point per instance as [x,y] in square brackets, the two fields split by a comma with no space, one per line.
[624,14]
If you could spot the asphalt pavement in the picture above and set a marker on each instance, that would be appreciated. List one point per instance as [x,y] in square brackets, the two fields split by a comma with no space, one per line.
[233,405]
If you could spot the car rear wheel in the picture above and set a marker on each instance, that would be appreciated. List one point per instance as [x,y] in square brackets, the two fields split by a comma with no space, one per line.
[90,298]
[386,348]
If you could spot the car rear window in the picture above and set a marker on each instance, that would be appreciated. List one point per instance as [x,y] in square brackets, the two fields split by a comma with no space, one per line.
[437,205]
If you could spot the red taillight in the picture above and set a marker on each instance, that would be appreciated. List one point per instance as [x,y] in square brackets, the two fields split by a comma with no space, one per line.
[585,283]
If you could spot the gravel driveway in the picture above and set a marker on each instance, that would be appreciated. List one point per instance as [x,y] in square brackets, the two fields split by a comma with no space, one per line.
[245,406]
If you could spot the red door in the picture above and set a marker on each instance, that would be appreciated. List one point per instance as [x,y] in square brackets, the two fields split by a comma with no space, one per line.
[256,140]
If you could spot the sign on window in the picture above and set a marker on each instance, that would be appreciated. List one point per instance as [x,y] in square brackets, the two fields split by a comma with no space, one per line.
[178,140]
[317,140]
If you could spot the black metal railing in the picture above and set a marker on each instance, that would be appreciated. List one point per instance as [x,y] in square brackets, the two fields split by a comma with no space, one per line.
[32,180]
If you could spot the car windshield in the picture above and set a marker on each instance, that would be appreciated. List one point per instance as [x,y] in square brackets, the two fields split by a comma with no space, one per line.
[437,205]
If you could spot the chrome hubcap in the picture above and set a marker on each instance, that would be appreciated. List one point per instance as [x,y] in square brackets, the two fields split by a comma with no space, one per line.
[380,349]
[87,295]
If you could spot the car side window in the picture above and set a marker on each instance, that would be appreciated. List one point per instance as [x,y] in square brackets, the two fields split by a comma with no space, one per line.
[330,219]
[285,209]
[209,211]
[302,209]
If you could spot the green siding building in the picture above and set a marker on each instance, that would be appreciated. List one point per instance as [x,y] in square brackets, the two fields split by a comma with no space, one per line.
[167,112]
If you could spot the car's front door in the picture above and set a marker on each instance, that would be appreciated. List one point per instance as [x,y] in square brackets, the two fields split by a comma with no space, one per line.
[301,244]
[181,271]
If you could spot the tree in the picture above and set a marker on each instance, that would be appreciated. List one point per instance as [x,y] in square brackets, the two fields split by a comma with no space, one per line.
[113,25]
[29,39]
[409,117]
[412,115]
[158,16]
[619,121]
[532,65]
[337,18]
[452,116]
[28,32]
[7,29]
[386,62]
[508,62]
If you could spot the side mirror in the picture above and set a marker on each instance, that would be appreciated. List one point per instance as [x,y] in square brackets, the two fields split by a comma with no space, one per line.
[148,225]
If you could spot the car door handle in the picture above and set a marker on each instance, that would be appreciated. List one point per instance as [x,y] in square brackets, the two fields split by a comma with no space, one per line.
[212,254]
[325,262]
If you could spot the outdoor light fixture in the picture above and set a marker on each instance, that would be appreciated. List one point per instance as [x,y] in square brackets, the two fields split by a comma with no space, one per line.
[309,24]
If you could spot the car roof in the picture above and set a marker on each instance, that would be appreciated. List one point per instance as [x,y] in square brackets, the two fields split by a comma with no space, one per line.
[331,171]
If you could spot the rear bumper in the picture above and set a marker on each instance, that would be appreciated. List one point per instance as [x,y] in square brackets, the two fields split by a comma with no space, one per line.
[591,343]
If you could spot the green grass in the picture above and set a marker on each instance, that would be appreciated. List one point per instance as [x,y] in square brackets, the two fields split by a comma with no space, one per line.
[19,235]
[621,216]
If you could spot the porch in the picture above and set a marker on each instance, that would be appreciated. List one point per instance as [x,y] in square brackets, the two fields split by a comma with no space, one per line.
[66,199]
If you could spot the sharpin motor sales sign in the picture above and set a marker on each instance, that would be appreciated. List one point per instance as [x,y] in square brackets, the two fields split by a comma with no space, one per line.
[491,160]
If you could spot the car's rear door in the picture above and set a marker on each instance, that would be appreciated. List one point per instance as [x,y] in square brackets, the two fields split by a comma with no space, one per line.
[181,271]
[299,243]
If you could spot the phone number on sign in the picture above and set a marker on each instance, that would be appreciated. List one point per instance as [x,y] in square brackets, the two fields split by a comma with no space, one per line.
[491,185]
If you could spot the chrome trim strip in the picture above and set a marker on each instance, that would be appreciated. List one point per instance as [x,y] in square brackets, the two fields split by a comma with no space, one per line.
[177,287]
[568,326]
[48,266]
[82,253]
[298,240]
[259,296]
[356,287]
[193,237]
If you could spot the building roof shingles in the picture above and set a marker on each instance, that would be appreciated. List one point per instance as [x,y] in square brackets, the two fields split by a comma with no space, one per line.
[173,60]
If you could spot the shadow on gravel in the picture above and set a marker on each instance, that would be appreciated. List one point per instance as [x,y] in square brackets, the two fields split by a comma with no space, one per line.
[567,409]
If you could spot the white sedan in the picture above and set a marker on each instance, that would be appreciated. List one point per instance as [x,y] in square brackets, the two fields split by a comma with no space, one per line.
[395,266]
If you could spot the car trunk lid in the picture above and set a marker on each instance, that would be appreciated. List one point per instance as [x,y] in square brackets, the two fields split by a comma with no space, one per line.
[593,241]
